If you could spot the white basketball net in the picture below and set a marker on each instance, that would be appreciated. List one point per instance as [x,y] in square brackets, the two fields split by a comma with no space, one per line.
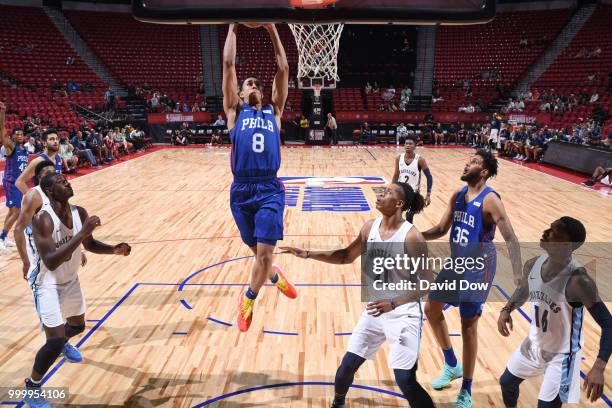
[317,46]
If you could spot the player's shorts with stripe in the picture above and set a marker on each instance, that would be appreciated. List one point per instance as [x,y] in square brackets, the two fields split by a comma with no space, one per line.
[56,302]
[561,371]
[401,328]
[12,194]
[258,210]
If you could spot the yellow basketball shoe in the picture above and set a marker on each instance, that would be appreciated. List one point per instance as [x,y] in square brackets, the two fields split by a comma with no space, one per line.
[283,284]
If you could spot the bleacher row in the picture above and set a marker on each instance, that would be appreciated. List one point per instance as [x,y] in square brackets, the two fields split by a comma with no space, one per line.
[167,58]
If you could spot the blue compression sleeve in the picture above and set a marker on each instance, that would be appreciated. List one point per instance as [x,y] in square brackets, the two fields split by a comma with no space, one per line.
[602,316]
[429,178]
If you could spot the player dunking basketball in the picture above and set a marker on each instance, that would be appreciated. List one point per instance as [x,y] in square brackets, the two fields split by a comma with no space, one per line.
[472,216]
[394,317]
[59,229]
[257,197]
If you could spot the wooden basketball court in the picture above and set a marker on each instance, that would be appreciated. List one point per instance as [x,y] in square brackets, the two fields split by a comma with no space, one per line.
[161,323]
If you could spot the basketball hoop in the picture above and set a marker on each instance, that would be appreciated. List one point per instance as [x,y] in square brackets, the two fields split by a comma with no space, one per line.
[318,46]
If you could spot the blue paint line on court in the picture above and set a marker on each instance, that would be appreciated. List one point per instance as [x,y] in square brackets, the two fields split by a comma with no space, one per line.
[454,334]
[92,320]
[280,333]
[113,309]
[446,307]
[294,384]
[212,319]
[371,154]
[343,334]
[187,279]
[180,333]
[186,305]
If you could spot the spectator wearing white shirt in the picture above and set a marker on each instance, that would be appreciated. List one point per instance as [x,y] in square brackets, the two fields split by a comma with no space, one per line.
[219,121]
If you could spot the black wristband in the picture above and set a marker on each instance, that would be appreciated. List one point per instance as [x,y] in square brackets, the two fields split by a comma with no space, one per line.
[507,309]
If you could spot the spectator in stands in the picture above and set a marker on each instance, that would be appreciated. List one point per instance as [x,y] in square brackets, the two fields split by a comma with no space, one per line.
[216,138]
[594,97]
[439,134]
[137,138]
[401,132]
[154,101]
[109,97]
[595,53]
[368,88]
[291,83]
[582,53]
[375,88]
[185,108]
[70,61]
[80,149]
[56,86]
[30,146]
[388,94]
[534,146]
[524,43]
[575,138]
[462,134]
[195,107]
[72,87]
[120,141]
[435,96]
[466,84]
[96,145]
[220,121]
[332,128]
[452,133]
[288,106]
[110,145]
[69,160]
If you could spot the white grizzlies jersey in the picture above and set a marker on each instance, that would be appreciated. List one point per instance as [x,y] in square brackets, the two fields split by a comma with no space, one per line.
[410,173]
[30,245]
[390,248]
[556,326]
[68,270]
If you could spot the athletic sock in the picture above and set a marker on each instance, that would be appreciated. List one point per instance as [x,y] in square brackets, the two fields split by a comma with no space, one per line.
[449,357]
[467,385]
[3,235]
[250,294]
[274,279]
[31,383]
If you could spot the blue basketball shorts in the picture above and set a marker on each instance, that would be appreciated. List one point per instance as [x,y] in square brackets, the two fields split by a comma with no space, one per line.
[12,193]
[470,291]
[258,211]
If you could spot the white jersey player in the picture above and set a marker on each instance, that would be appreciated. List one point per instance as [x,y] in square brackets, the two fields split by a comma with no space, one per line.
[558,290]
[58,231]
[394,316]
[408,168]
[31,204]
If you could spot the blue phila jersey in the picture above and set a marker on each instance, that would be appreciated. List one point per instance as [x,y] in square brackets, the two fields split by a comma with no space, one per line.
[470,237]
[15,164]
[255,144]
[58,161]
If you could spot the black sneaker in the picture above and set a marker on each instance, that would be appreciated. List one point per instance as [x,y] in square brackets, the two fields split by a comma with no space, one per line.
[588,183]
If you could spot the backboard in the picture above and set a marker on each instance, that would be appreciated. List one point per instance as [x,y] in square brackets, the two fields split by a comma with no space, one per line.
[315,11]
